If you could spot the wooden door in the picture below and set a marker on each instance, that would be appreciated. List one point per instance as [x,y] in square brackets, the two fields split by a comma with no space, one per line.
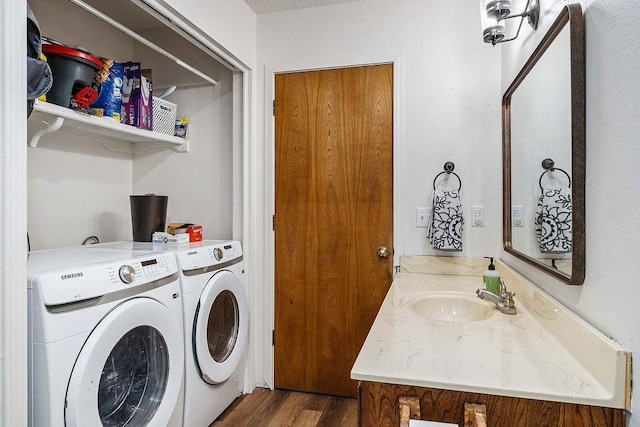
[333,210]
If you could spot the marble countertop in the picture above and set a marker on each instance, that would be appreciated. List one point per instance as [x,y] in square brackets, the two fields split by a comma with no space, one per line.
[543,352]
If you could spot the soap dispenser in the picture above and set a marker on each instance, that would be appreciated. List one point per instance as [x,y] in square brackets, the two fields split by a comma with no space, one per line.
[491,278]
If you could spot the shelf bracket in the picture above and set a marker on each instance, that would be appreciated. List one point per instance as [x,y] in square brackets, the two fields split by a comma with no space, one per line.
[51,127]
[184,148]
[143,147]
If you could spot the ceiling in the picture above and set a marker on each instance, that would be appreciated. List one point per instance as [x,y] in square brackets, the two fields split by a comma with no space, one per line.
[268,6]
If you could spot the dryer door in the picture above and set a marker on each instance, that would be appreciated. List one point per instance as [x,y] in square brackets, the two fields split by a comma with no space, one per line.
[221,327]
[130,369]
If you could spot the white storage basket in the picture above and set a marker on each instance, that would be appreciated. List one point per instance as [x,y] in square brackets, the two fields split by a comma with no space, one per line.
[164,116]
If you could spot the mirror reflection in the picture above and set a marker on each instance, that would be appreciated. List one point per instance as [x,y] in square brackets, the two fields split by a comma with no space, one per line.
[543,119]
[541,129]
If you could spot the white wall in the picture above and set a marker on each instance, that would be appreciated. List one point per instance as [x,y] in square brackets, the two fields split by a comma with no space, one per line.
[610,294]
[77,189]
[449,93]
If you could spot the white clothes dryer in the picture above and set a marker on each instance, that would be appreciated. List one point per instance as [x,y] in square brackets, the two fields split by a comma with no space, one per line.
[216,323]
[105,339]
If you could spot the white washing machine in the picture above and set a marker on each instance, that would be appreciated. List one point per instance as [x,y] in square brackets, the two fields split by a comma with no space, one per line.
[216,323]
[106,341]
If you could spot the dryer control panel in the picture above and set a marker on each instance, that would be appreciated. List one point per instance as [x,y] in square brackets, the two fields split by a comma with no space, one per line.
[214,256]
[225,252]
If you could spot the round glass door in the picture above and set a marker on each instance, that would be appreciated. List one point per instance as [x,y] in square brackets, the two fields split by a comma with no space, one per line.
[133,378]
[130,369]
[221,327]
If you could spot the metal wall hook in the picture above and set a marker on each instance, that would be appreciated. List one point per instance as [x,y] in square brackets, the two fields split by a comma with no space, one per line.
[448,169]
[549,166]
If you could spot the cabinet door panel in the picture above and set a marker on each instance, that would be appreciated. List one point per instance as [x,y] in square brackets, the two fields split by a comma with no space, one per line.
[378,406]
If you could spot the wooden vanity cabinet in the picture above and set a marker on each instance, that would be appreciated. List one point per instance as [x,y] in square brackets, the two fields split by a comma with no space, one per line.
[378,406]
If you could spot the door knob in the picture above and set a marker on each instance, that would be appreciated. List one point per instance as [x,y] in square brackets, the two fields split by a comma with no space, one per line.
[383,252]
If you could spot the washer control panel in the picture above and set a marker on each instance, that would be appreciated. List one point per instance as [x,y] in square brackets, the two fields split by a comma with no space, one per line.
[144,271]
[78,284]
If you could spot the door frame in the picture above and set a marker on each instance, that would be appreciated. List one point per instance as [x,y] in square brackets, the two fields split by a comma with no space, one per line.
[13,178]
[395,58]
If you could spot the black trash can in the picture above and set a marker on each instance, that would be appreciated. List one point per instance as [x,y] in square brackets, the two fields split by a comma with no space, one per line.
[148,215]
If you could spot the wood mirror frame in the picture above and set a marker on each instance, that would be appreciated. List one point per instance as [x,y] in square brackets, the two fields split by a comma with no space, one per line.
[571,15]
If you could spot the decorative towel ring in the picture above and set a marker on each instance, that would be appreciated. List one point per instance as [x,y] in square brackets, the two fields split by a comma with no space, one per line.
[448,169]
[547,165]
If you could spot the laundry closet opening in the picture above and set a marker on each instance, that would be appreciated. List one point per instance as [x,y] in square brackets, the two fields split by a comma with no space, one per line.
[80,178]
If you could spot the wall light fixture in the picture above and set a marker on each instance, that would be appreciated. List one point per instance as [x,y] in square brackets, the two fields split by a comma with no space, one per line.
[493,12]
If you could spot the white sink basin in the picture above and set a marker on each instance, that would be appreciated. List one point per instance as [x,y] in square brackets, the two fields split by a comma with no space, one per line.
[452,307]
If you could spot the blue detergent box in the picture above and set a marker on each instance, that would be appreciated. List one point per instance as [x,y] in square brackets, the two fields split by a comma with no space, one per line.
[137,97]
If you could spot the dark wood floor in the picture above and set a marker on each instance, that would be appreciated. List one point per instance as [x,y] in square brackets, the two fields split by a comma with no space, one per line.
[280,408]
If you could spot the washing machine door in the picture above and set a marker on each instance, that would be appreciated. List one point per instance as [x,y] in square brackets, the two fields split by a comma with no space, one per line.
[221,327]
[130,370]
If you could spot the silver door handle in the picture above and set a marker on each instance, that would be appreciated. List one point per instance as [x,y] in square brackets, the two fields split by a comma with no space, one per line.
[383,252]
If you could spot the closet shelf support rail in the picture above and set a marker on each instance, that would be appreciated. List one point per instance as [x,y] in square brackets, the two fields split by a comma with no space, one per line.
[142,40]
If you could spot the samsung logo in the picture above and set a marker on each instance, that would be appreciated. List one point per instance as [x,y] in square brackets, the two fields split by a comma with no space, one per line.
[71,276]
[192,253]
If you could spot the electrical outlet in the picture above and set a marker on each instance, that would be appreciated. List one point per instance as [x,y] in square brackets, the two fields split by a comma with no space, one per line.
[517,216]
[477,216]
[422,217]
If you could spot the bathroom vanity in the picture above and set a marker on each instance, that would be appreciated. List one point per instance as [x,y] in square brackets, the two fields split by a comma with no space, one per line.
[435,340]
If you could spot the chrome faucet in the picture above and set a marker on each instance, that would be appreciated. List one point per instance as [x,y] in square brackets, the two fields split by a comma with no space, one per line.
[504,301]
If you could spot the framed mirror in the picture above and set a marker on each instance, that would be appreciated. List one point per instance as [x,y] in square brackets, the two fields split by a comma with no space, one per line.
[543,134]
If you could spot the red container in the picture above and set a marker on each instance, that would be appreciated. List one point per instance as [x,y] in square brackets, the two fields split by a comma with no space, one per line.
[194,231]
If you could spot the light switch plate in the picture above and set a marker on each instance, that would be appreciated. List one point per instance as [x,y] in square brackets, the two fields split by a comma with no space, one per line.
[422,217]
